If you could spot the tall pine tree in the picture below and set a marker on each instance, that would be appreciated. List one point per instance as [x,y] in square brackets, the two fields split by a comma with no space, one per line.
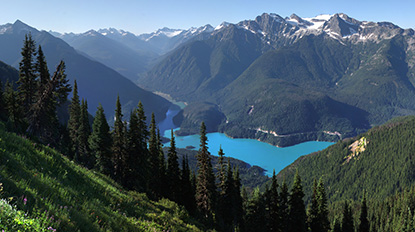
[118,144]
[347,221]
[272,204]
[173,171]
[28,83]
[187,192]
[42,118]
[84,132]
[284,209]
[205,188]
[75,121]
[154,160]
[42,68]
[297,213]
[100,142]
[364,225]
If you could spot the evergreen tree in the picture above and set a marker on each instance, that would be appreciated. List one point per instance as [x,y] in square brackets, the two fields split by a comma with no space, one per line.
[226,200]
[238,210]
[173,171]
[187,193]
[100,142]
[3,112]
[297,215]
[364,223]
[28,83]
[272,205]
[205,188]
[133,154]
[118,144]
[347,221]
[221,175]
[313,222]
[42,68]
[42,118]
[75,121]
[284,209]
[154,160]
[162,177]
[143,172]
[255,219]
[322,215]
[336,226]
[84,132]
[14,109]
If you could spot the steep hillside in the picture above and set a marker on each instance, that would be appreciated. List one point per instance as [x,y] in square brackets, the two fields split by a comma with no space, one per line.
[8,73]
[42,182]
[380,162]
[199,69]
[96,82]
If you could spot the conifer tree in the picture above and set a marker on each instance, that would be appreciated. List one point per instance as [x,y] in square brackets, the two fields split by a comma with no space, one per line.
[84,132]
[14,109]
[42,117]
[255,213]
[133,154]
[237,208]
[297,213]
[3,112]
[226,200]
[42,68]
[75,121]
[143,171]
[313,211]
[364,223]
[154,159]
[221,175]
[28,83]
[100,142]
[205,188]
[336,226]
[118,144]
[272,202]
[162,177]
[284,206]
[322,207]
[173,171]
[187,193]
[347,221]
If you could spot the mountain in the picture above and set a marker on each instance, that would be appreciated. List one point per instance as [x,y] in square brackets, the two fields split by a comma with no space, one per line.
[123,59]
[288,80]
[166,39]
[96,82]
[379,162]
[8,73]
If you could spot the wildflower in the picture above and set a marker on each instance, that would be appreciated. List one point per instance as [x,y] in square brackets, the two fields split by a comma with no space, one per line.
[24,201]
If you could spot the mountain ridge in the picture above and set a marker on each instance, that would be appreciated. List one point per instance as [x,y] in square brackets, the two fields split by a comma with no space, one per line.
[332,55]
[96,82]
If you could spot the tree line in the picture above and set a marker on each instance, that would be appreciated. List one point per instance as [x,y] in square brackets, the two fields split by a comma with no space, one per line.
[131,153]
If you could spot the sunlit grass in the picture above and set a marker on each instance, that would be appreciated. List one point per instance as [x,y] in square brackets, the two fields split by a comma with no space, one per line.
[38,179]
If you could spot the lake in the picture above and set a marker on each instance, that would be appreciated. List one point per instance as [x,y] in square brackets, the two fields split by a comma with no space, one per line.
[251,151]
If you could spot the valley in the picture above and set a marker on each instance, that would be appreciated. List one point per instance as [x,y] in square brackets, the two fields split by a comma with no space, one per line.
[266,124]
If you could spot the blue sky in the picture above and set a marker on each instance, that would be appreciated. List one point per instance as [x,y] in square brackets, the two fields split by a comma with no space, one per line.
[142,16]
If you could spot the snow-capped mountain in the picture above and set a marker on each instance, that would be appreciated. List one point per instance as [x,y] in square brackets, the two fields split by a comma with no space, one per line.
[277,31]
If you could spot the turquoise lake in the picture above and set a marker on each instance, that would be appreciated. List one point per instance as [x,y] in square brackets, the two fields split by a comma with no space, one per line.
[251,151]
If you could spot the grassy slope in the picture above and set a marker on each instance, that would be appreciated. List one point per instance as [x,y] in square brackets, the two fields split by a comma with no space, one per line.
[81,199]
[386,166]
